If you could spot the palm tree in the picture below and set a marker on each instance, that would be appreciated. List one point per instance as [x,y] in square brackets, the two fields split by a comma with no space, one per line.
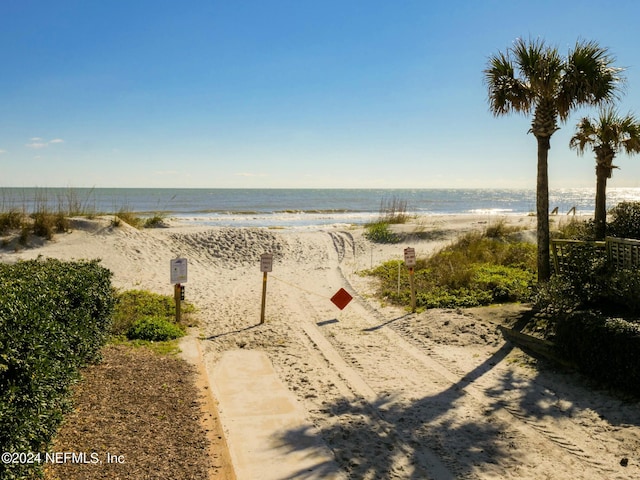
[607,135]
[549,86]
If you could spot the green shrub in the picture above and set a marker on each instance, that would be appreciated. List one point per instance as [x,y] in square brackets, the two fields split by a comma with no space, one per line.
[380,232]
[583,283]
[557,296]
[602,347]
[54,317]
[134,305]
[155,329]
[625,220]
[623,288]
[506,284]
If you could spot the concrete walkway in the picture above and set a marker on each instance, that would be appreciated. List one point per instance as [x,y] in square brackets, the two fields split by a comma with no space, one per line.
[267,431]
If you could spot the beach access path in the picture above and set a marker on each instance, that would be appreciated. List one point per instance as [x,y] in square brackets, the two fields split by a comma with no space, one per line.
[377,392]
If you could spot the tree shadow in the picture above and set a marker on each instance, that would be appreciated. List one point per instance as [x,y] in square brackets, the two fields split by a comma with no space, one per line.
[224,334]
[378,327]
[429,438]
[419,431]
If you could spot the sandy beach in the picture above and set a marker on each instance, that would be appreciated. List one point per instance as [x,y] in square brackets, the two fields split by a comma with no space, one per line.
[393,395]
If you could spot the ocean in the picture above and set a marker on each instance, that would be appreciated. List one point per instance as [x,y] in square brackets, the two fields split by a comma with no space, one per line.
[298,207]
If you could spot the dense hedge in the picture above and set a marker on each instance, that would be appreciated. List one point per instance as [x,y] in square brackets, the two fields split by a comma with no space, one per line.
[605,348]
[54,317]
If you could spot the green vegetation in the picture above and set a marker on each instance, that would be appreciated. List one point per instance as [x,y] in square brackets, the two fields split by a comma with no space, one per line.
[127,216]
[478,269]
[54,318]
[44,216]
[593,307]
[625,220]
[154,329]
[143,315]
[607,135]
[602,346]
[533,77]
[155,221]
[393,211]
[380,232]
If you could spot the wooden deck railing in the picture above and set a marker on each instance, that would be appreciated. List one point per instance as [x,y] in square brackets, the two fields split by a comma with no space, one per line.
[623,252]
[620,252]
[560,249]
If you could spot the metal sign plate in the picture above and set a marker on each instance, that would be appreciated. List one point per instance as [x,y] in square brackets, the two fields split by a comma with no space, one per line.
[178,270]
[266,262]
[410,257]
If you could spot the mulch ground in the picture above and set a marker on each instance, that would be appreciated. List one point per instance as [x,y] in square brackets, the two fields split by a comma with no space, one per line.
[140,415]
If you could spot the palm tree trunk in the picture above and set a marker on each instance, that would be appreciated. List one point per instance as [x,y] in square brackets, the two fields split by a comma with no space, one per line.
[600,216]
[542,210]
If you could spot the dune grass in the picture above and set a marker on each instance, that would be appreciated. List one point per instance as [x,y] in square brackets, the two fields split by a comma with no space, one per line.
[45,214]
[479,268]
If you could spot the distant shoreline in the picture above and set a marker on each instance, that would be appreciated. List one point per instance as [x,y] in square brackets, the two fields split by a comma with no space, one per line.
[295,207]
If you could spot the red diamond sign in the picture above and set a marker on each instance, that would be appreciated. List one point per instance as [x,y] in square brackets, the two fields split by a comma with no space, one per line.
[341,299]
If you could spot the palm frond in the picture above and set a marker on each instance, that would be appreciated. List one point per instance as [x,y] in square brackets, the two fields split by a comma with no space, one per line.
[610,132]
[589,78]
[540,64]
[585,135]
[506,92]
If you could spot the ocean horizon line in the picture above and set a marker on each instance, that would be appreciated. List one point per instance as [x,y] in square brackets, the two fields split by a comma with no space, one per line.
[300,206]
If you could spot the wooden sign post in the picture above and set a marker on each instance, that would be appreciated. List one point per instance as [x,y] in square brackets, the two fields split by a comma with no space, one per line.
[266,266]
[178,275]
[410,262]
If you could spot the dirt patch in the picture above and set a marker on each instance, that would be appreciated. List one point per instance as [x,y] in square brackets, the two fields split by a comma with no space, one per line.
[139,415]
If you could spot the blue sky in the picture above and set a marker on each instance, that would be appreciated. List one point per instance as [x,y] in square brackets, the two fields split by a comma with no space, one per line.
[330,93]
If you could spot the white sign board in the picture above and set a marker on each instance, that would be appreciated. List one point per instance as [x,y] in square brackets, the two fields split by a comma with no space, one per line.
[410,257]
[179,270]
[266,262]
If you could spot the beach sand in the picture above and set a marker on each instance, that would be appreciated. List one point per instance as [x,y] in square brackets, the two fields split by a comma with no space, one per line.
[438,394]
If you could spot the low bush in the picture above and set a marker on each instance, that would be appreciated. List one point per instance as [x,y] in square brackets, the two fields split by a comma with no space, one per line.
[576,229]
[625,220]
[380,232]
[605,348]
[135,305]
[588,282]
[154,329]
[54,317]
[623,289]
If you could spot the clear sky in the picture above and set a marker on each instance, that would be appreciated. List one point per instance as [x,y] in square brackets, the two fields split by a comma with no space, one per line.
[275,93]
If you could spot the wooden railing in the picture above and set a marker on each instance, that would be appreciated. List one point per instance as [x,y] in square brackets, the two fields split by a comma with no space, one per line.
[623,252]
[620,252]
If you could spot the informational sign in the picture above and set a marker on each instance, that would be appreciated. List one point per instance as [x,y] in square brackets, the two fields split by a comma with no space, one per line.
[266,262]
[410,257]
[178,270]
[341,299]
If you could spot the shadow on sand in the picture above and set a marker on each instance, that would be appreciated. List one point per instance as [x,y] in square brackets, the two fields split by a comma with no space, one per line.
[370,438]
